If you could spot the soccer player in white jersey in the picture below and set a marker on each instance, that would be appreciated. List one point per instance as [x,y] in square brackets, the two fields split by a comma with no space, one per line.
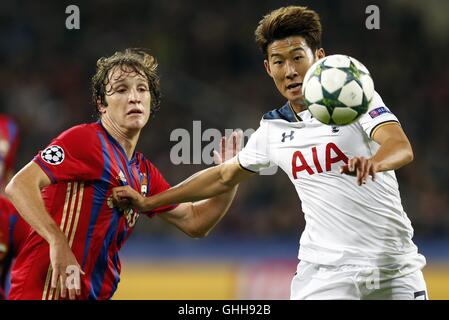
[357,243]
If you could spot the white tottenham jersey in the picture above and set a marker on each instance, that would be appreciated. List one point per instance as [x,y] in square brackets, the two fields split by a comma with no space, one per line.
[345,223]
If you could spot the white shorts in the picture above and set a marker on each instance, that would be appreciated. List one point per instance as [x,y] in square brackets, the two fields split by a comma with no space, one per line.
[350,282]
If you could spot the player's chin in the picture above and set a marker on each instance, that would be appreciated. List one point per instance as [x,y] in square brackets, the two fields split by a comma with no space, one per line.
[137,124]
[294,97]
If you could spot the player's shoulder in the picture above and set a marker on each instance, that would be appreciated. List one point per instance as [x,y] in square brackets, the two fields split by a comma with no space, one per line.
[376,102]
[80,132]
[284,113]
[377,106]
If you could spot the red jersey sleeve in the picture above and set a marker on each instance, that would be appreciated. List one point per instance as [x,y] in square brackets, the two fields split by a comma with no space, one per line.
[75,155]
[156,184]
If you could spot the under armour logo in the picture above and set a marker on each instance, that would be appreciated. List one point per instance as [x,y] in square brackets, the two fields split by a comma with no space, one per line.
[288,136]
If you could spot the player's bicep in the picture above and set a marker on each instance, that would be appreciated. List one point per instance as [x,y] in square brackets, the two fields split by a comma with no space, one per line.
[25,186]
[233,172]
[389,130]
[33,174]
[178,216]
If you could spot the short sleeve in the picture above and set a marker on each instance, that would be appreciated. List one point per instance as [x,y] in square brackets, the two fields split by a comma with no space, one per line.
[378,113]
[157,184]
[254,156]
[75,155]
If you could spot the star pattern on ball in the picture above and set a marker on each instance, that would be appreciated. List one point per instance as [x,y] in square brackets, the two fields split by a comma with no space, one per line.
[338,89]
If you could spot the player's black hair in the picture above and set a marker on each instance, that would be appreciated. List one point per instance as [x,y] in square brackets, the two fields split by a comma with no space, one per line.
[289,21]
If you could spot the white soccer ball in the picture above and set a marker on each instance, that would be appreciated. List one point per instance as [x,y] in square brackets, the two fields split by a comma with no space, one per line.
[337,89]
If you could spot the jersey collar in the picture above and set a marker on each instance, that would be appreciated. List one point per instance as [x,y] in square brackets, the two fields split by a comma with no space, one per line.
[285,113]
[113,141]
[296,115]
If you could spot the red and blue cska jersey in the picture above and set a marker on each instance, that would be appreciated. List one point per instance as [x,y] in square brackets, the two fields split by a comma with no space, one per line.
[13,232]
[9,140]
[84,164]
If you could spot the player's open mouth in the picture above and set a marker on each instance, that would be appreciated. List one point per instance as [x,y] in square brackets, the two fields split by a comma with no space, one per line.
[294,86]
[134,111]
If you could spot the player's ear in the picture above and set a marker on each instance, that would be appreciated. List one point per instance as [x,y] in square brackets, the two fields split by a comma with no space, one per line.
[266,63]
[101,107]
[319,54]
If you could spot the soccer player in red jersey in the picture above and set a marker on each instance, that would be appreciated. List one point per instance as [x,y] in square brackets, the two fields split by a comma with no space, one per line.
[13,229]
[65,192]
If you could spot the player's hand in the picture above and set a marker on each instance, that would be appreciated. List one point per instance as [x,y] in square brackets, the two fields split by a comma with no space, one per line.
[229,147]
[64,265]
[126,197]
[360,167]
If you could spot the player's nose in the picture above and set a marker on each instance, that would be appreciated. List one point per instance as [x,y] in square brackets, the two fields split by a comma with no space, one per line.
[290,70]
[133,96]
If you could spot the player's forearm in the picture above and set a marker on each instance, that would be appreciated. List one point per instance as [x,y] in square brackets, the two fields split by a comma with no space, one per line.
[203,185]
[392,155]
[27,199]
[207,213]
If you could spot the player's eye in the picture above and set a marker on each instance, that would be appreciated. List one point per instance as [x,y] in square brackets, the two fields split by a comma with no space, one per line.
[120,90]
[142,89]
[297,58]
[277,62]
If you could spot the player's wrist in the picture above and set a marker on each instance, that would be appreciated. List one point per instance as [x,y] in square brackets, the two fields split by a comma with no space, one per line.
[376,165]
[55,236]
[146,204]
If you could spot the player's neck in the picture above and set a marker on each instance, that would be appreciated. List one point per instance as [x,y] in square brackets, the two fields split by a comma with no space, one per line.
[296,107]
[127,139]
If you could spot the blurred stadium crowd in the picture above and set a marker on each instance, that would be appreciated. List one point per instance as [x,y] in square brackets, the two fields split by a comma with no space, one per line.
[212,71]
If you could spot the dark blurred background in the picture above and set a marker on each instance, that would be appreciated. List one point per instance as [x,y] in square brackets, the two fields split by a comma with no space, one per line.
[211,70]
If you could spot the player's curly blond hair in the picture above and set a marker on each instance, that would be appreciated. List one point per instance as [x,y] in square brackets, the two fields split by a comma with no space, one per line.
[289,21]
[139,61]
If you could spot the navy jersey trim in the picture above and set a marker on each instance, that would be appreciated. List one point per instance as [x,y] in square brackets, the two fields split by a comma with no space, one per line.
[284,113]
[39,162]
[418,294]
[242,167]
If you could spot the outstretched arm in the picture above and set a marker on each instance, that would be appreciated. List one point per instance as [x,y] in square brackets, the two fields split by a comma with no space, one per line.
[395,152]
[202,185]
[217,184]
